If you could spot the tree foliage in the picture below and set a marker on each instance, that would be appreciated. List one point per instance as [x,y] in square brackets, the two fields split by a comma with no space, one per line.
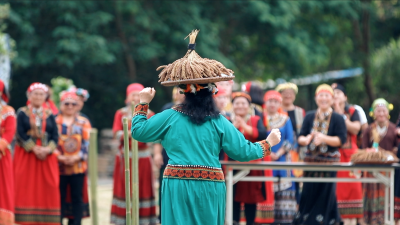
[105,45]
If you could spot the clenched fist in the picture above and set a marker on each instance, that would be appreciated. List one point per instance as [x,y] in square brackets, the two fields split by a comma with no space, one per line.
[147,94]
[274,137]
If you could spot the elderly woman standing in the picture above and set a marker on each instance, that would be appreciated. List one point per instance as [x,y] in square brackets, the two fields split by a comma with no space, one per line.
[251,126]
[381,134]
[35,163]
[8,126]
[73,147]
[323,132]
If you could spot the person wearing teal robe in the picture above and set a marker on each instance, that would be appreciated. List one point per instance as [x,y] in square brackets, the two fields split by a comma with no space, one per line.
[193,190]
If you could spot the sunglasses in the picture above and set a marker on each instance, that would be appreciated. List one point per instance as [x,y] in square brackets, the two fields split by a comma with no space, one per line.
[70,103]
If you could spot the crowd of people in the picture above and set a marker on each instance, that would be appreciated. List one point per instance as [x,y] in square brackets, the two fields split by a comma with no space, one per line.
[45,181]
[331,133]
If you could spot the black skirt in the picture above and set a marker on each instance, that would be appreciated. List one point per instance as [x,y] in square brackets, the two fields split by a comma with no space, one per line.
[318,204]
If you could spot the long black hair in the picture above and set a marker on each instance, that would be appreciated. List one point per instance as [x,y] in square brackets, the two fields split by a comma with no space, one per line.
[200,107]
[257,94]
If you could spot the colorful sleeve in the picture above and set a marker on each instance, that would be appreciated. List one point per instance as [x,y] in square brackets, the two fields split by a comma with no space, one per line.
[85,140]
[149,130]
[238,148]
[22,131]
[9,129]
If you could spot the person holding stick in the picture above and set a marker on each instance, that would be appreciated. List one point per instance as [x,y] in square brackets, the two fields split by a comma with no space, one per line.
[147,211]
[73,146]
[193,134]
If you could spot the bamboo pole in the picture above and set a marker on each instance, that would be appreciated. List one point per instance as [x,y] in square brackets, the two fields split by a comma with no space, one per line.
[93,175]
[127,175]
[135,178]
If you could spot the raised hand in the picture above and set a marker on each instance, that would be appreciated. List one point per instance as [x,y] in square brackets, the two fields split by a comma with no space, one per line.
[147,94]
[274,137]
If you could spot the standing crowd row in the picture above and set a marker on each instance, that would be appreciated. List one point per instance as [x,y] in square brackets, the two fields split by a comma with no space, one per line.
[331,133]
[45,180]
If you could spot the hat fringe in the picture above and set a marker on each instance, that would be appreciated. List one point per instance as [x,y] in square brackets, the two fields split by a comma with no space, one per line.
[192,66]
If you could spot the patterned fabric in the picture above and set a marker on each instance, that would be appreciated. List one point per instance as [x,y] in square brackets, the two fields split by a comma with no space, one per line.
[194,172]
[192,201]
[285,206]
[320,153]
[351,208]
[74,140]
[374,199]
[37,215]
[40,203]
[142,109]
[241,94]
[374,193]
[396,207]
[266,147]
[147,203]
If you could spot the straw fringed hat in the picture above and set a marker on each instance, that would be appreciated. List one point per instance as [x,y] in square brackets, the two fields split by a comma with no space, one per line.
[193,69]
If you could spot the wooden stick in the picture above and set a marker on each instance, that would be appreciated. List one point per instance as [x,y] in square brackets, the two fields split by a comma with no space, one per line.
[135,177]
[93,175]
[127,174]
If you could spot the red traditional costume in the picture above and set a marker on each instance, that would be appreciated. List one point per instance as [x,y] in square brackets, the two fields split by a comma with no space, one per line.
[7,132]
[36,181]
[74,140]
[349,195]
[248,194]
[147,204]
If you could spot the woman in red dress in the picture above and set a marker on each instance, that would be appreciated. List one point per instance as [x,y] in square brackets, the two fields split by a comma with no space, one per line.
[248,193]
[36,171]
[349,195]
[8,126]
[147,204]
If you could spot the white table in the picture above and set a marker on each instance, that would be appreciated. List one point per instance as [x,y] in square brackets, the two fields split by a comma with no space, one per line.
[387,178]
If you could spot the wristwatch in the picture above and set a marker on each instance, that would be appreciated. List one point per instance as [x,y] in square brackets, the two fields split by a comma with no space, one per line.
[344,117]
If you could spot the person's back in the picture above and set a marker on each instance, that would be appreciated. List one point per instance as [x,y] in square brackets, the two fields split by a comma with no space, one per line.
[193,190]
[193,141]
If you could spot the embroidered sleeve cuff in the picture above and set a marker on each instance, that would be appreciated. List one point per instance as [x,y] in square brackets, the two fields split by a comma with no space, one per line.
[266,147]
[52,145]
[28,145]
[141,109]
